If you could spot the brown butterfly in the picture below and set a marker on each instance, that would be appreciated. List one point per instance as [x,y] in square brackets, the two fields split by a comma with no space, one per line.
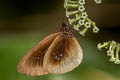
[57,53]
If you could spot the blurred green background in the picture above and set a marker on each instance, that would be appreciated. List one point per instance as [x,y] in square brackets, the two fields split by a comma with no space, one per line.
[24,22]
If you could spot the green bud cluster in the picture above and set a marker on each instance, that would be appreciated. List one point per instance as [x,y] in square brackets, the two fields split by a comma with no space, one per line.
[113,50]
[76,8]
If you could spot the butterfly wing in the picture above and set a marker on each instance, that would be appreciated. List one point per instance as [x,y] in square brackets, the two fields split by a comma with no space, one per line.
[32,62]
[63,55]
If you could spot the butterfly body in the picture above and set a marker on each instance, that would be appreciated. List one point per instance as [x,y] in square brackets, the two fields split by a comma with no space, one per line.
[57,53]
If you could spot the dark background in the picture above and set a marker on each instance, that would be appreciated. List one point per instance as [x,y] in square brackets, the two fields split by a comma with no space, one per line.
[24,22]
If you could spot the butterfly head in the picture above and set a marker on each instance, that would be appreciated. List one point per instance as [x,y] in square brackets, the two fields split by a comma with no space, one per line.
[66,30]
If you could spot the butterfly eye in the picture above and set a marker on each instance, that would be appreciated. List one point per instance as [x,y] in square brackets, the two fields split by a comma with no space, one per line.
[38,58]
[39,52]
[58,56]
[61,54]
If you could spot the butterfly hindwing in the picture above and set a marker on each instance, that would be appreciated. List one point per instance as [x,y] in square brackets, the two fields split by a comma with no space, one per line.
[63,55]
[32,62]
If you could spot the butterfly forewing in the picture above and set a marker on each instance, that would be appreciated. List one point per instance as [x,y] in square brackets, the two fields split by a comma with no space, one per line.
[32,62]
[63,55]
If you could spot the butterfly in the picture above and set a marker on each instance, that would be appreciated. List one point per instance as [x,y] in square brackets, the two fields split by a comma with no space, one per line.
[57,53]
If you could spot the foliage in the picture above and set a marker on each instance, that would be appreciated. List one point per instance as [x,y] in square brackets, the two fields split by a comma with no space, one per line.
[113,50]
